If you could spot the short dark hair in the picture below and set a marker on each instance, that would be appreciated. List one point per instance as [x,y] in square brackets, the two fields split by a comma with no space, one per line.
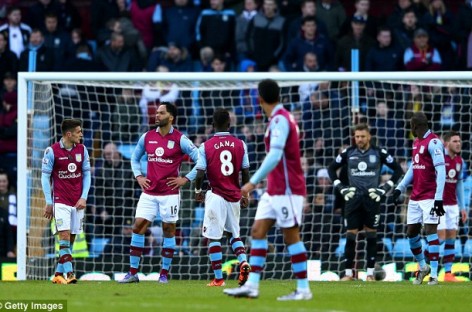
[309,18]
[221,119]
[269,91]
[171,108]
[419,119]
[362,127]
[70,124]
[12,9]
[447,137]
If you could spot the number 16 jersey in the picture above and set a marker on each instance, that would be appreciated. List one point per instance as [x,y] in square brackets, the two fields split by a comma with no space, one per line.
[223,156]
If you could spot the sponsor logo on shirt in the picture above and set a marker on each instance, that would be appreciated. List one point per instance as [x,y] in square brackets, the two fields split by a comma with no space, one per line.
[159,151]
[68,175]
[160,160]
[72,167]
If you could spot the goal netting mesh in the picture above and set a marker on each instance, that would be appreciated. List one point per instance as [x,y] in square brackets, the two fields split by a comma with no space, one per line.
[115,113]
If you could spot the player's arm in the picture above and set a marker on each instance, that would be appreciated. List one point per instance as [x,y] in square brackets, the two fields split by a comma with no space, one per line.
[46,170]
[86,181]
[341,160]
[138,152]
[190,149]
[436,150]
[401,187]
[245,177]
[279,130]
[201,167]
[386,159]
[461,198]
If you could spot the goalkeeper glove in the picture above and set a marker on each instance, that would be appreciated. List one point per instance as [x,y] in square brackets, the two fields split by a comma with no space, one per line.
[347,192]
[439,208]
[397,197]
[377,193]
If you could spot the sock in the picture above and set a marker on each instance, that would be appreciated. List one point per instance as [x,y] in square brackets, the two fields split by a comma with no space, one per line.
[370,271]
[350,251]
[59,267]
[349,272]
[65,256]
[371,238]
[298,258]
[238,249]
[416,249]
[135,252]
[167,254]
[449,254]
[216,256]
[257,260]
[433,251]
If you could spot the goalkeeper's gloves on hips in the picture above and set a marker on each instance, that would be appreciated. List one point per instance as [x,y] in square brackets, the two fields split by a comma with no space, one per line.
[439,208]
[347,192]
[377,193]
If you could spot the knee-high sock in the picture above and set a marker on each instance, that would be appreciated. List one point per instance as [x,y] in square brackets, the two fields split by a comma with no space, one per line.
[449,254]
[433,250]
[257,260]
[238,249]
[167,254]
[350,250]
[298,258]
[416,249]
[65,256]
[216,256]
[135,252]
[371,238]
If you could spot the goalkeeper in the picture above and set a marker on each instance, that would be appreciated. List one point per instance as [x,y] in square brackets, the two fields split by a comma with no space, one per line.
[363,194]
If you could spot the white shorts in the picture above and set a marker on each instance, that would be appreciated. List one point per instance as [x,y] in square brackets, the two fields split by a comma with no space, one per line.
[285,209]
[420,212]
[68,218]
[450,221]
[167,206]
[220,215]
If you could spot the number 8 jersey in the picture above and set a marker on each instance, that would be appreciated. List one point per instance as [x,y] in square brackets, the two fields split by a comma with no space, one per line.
[223,156]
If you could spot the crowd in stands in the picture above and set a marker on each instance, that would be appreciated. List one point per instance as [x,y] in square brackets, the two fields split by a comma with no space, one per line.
[211,36]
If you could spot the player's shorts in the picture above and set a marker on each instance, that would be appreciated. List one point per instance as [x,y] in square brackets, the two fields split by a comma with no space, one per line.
[68,218]
[421,212]
[285,209]
[450,221]
[167,206]
[220,215]
[361,211]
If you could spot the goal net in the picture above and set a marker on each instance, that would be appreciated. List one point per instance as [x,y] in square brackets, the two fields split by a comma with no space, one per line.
[117,108]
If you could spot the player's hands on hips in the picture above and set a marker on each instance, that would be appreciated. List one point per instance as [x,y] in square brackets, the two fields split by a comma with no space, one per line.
[348,192]
[439,208]
[48,212]
[247,188]
[176,182]
[200,197]
[143,182]
[376,193]
[80,204]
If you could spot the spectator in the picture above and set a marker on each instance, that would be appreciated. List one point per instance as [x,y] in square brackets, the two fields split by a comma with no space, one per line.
[385,56]
[206,57]
[308,8]
[44,55]
[69,17]
[8,124]
[115,57]
[176,58]
[16,32]
[38,12]
[7,248]
[421,56]
[242,23]
[332,14]
[126,118]
[82,60]
[178,24]
[395,18]
[362,10]
[310,63]
[216,28]
[8,59]
[78,39]
[101,12]
[8,204]
[464,34]
[356,39]
[309,41]
[142,12]
[249,108]
[58,41]
[265,35]
[439,23]
[404,33]
[114,192]
[388,130]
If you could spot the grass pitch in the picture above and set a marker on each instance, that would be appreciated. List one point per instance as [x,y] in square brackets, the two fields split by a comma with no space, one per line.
[196,296]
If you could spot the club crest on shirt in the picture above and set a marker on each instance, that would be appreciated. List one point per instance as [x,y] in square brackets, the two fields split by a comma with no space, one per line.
[372,159]
[170,144]
[72,167]
[458,167]
[422,149]
[78,157]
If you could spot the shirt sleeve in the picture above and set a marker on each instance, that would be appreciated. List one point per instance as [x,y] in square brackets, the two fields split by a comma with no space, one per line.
[279,130]
[201,162]
[46,169]
[407,179]
[436,150]
[87,176]
[190,149]
[136,157]
[245,157]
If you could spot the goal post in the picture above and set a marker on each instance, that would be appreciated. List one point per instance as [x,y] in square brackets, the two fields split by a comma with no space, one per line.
[94,97]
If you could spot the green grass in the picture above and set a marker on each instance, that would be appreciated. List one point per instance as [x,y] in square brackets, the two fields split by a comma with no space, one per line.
[195,296]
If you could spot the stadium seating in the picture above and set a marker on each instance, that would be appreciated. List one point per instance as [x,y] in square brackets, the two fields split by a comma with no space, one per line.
[97,246]
[467,248]
[401,249]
